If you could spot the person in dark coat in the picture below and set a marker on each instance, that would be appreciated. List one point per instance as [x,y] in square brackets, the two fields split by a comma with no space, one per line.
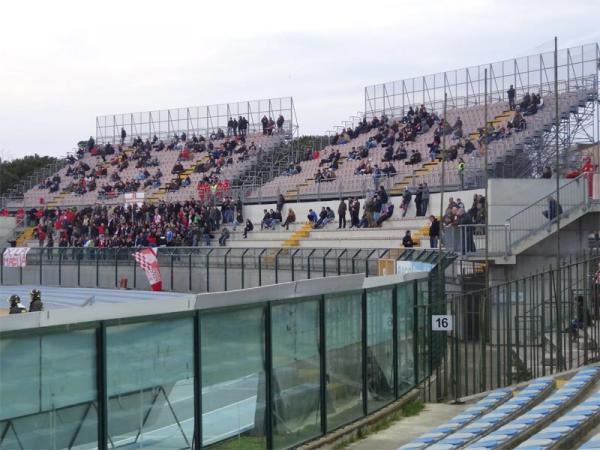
[407,240]
[15,305]
[434,232]
[36,301]
[248,227]
[342,214]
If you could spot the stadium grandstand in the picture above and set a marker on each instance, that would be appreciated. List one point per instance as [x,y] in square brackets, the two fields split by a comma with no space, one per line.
[221,281]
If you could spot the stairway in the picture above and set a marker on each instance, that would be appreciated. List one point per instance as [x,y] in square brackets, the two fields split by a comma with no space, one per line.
[25,236]
[302,233]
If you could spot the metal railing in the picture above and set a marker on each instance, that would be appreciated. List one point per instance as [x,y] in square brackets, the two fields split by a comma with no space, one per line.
[196,269]
[541,215]
[525,328]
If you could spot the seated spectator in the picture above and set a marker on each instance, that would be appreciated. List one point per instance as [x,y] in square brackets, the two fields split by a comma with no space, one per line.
[389,170]
[266,220]
[415,158]
[184,155]
[322,221]
[312,216]
[291,218]
[407,241]
[247,228]
[400,153]
[387,211]
[469,147]
[177,169]
[224,236]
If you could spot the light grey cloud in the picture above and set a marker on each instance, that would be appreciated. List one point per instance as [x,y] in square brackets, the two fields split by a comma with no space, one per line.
[65,62]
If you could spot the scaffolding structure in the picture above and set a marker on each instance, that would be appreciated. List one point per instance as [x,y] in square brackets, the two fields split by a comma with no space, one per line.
[199,120]
[577,69]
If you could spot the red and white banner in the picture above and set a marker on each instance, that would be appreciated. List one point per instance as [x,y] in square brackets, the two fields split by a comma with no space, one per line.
[15,257]
[148,261]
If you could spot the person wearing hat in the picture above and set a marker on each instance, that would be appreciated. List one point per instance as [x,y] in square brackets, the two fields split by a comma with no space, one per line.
[36,301]
[15,305]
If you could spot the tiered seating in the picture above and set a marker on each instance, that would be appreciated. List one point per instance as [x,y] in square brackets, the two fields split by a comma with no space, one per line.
[566,427]
[473,118]
[521,402]
[166,159]
[483,406]
[513,432]
[388,236]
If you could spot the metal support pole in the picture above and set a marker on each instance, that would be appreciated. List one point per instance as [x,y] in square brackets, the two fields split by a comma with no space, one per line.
[101,387]
[260,266]
[323,358]
[197,439]
[242,267]
[225,269]
[558,283]
[269,425]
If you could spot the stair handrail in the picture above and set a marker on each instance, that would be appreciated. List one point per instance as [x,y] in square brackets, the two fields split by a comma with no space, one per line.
[573,195]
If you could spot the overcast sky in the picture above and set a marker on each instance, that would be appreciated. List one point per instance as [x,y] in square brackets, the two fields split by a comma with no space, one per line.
[65,62]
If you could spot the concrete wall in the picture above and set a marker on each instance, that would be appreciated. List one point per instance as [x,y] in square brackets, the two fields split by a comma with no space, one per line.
[509,196]
[7,228]
[255,212]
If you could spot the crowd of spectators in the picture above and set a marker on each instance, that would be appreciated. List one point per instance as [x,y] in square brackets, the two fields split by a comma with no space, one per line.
[107,175]
[189,223]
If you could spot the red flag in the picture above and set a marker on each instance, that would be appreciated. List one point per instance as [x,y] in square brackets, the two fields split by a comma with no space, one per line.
[148,261]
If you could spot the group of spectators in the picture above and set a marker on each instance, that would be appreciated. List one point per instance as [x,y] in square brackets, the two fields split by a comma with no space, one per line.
[461,224]
[142,155]
[189,223]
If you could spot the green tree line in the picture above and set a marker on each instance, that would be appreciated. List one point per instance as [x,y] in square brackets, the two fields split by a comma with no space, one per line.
[17,170]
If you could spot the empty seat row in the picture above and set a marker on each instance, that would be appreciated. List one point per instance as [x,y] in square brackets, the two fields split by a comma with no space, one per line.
[528,423]
[482,407]
[565,427]
[532,394]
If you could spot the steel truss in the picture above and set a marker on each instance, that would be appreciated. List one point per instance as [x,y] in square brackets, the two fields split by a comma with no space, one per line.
[199,120]
[578,68]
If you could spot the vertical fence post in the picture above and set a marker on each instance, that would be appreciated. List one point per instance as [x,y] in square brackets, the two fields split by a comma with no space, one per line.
[197,383]
[208,270]
[364,335]
[260,266]
[60,267]
[323,358]
[41,253]
[268,375]
[97,267]
[101,386]
[190,284]
[242,268]
[395,339]
[116,268]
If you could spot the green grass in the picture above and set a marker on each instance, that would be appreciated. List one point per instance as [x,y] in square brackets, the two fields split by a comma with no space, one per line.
[241,443]
[409,409]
